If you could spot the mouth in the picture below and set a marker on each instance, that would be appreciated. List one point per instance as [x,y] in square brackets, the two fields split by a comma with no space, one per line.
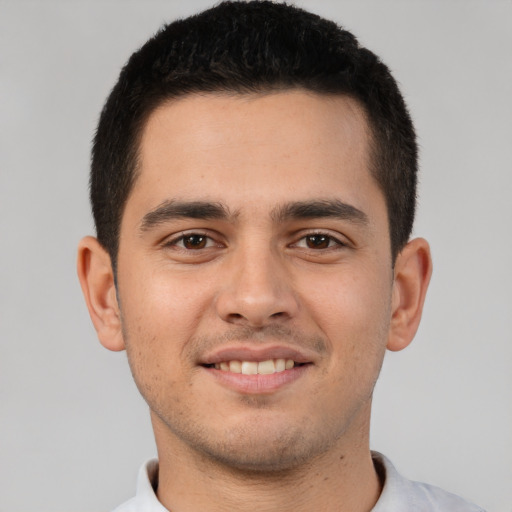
[253,370]
[267,367]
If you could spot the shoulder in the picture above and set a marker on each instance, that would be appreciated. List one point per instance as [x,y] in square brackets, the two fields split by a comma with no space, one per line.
[402,495]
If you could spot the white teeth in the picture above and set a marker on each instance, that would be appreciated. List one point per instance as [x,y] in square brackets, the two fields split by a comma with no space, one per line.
[249,368]
[253,368]
[235,366]
[266,367]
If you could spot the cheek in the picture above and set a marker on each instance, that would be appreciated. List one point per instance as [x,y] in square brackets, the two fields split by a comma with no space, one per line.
[350,299]
[163,305]
[159,317]
[352,309]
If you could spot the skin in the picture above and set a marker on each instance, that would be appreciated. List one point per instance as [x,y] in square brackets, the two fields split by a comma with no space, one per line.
[262,277]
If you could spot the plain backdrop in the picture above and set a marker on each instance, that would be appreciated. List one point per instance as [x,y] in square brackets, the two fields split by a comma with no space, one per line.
[74,429]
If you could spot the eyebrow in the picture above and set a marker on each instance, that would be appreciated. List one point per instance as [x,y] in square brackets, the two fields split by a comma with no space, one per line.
[172,209]
[324,208]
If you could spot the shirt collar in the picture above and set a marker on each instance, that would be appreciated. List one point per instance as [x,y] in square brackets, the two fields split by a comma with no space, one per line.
[398,493]
[147,483]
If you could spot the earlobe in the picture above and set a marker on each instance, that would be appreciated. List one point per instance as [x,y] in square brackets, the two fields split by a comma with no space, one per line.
[413,268]
[97,281]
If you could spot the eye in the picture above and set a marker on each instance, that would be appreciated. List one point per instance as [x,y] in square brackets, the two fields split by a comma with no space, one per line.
[192,242]
[318,241]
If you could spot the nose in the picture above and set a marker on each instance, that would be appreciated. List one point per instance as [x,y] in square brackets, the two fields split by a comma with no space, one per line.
[257,290]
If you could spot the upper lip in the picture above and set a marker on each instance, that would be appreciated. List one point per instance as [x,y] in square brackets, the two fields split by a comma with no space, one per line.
[257,354]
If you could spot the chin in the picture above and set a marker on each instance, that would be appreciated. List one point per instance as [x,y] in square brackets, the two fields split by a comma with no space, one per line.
[264,450]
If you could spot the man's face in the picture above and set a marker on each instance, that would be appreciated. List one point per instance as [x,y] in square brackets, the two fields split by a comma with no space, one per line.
[255,234]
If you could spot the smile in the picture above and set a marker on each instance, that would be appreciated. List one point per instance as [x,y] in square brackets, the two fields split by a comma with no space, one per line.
[267,367]
[251,369]
[257,377]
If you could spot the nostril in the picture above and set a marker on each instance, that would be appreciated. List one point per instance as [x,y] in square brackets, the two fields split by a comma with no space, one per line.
[235,316]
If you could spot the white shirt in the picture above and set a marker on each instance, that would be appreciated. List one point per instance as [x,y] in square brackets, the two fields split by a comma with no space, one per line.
[398,493]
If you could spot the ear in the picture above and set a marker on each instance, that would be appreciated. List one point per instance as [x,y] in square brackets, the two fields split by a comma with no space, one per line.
[413,268]
[97,281]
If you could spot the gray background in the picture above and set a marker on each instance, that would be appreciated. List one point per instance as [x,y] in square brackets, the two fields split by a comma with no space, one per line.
[73,427]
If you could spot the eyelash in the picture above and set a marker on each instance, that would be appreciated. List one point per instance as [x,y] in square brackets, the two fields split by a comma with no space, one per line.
[332,242]
[210,241]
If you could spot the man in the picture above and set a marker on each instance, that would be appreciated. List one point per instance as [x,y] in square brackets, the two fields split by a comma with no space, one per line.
[253,187]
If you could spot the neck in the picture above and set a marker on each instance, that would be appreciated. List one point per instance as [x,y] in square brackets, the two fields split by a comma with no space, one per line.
[342,480]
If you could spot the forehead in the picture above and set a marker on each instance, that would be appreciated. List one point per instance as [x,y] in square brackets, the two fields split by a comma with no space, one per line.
[264,148]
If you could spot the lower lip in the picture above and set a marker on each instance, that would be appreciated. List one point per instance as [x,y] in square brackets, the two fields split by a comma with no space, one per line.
[258,384]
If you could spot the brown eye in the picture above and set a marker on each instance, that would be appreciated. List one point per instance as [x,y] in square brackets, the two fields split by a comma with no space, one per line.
[195,241]
[318,241]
